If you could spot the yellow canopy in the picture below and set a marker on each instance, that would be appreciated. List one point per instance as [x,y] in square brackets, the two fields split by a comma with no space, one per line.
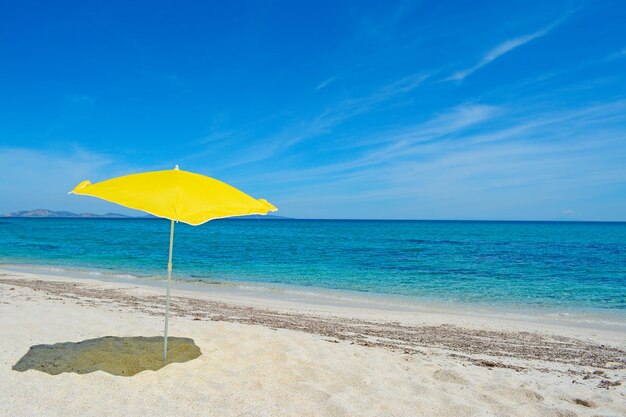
[176,195]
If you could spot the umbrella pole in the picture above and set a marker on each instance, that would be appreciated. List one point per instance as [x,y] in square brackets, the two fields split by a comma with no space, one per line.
[167,294]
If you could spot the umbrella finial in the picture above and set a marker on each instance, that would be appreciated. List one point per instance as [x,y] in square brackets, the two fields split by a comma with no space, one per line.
[176,167]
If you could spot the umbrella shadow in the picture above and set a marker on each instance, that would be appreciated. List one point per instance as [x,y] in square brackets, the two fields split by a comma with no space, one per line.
[121,356]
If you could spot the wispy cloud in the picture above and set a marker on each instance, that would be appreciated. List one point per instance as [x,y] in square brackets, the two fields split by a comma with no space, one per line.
[42,178]
[616,55]
[325,83]
[351,108]
[389,147]
[328,119]
[81,99]
[503,48]
[469,153]
[481,182]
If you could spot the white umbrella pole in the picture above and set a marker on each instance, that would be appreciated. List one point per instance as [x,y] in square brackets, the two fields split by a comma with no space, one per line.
[167,296]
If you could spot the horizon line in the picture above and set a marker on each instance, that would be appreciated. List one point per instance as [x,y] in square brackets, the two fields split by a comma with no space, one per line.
[280,218]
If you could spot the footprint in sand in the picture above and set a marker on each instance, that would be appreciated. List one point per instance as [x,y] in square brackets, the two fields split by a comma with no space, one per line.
[564,413]
[521,395]
[446,375]
[584,403]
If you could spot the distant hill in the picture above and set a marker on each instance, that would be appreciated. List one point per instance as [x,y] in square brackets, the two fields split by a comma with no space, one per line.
[44,213]
[63,214]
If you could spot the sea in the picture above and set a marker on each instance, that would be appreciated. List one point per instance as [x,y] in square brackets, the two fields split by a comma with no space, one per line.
[562,265]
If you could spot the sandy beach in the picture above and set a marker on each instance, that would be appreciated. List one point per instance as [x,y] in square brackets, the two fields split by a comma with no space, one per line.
[313,209]
[267,356]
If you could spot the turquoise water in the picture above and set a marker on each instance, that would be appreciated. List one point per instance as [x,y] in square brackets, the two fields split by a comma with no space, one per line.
[574,265]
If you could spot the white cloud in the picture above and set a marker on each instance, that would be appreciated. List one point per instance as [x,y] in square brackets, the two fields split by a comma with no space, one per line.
[616,55]
[388,147]
[325,83]
[81,99]
[473,160]
[327,120]
[348,109]
[42,179]
[501,49]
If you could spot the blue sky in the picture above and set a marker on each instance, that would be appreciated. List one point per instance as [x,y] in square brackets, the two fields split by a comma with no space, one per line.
[398,110]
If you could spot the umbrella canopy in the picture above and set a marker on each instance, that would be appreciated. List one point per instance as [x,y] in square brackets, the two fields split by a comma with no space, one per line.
[176,195]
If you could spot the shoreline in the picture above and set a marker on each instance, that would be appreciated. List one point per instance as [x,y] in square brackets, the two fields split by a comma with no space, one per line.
[611,328]
[383,328]
[318,299]
[307,359]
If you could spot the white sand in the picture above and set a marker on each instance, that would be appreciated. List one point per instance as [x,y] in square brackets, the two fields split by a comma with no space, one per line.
[254,370]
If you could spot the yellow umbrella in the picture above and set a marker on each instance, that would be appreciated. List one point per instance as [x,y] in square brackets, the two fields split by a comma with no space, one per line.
[179,196]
